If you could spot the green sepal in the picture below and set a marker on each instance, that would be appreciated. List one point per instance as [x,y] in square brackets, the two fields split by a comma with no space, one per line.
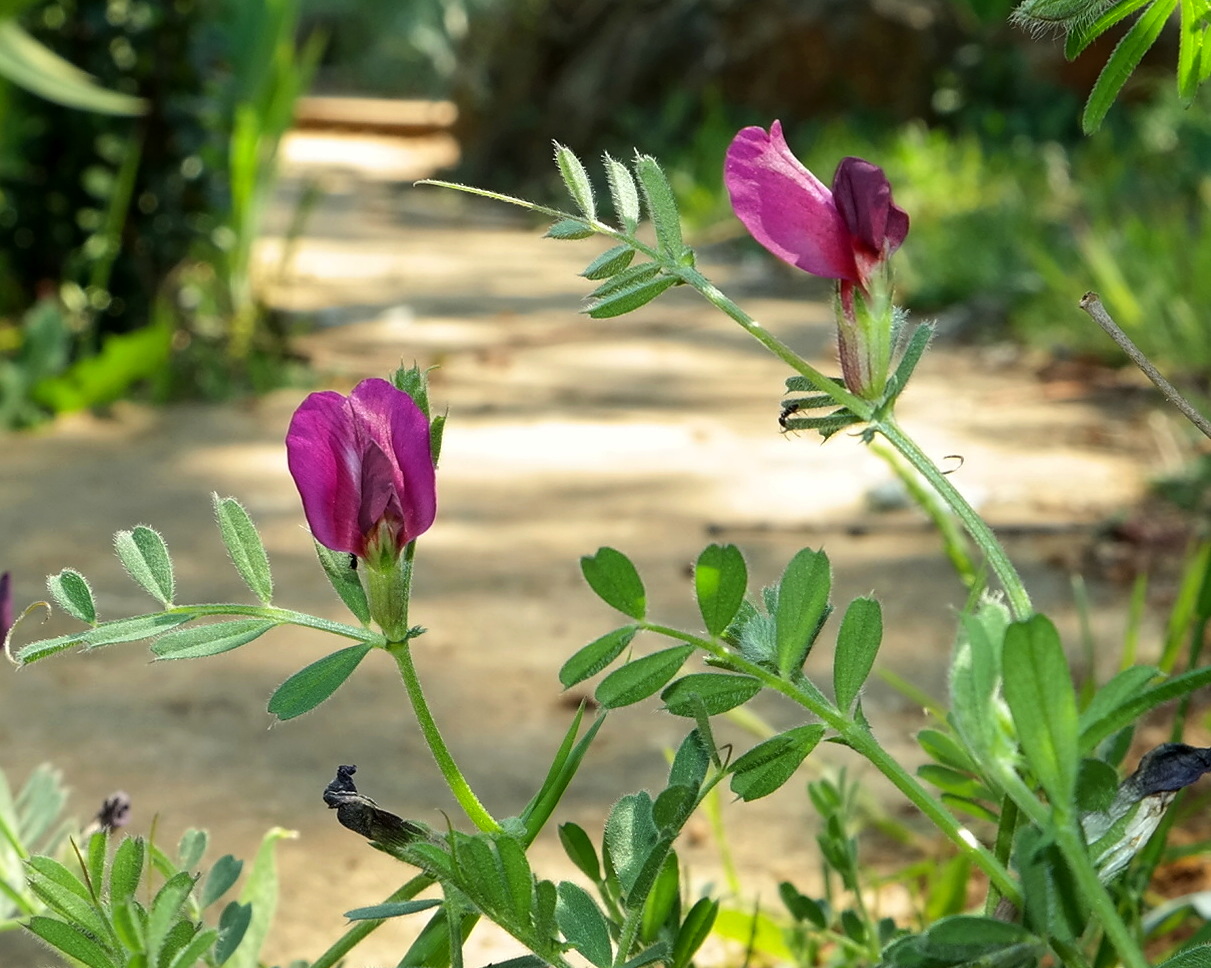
[413,381]
[244,545]
[144,555]
[914,349]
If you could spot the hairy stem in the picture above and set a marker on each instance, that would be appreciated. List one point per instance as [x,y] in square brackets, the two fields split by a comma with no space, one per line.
[455,780]
[859,738]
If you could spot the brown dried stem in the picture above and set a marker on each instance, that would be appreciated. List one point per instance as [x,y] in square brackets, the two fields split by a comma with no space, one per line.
[1092,304]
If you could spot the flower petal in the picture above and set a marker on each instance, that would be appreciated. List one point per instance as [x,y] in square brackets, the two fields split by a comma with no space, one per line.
[862,194]
[394,422]
[323,453]
[785,207]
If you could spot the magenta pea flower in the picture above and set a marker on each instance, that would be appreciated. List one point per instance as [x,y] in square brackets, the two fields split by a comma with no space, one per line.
[364,470]
[841,234]
[847,234]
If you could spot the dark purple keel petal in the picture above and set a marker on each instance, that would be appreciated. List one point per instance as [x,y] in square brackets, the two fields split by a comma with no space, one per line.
[785,207]
[380,495]
[323,453]
[863,197]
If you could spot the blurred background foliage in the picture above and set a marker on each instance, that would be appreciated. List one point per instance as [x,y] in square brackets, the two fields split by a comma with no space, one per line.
[125,243]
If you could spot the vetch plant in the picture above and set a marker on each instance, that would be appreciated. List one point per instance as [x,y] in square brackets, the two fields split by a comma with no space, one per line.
[1017,746]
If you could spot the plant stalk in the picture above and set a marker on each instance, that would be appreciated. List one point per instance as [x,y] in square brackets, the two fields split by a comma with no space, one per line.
[863,742]
[455,780]
[884,424]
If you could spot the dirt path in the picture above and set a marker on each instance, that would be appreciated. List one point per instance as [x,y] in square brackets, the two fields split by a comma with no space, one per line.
[655,433]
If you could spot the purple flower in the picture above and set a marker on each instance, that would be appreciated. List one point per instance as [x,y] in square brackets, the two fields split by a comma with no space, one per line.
[364,469]
[6,605]
[841,234]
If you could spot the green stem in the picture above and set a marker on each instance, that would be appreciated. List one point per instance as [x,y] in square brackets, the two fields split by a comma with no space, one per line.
[282,616]
[886,425]
[455,780]
[981,534]
[1072,845]
[862,741]
[864,409]
[1071,841]
[954,541]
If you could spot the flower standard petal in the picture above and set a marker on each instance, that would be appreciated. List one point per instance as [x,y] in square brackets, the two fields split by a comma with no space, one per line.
[400,428]
[785,207]
[323,452]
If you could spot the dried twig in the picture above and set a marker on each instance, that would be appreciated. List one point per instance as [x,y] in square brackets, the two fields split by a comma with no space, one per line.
[1092,304]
